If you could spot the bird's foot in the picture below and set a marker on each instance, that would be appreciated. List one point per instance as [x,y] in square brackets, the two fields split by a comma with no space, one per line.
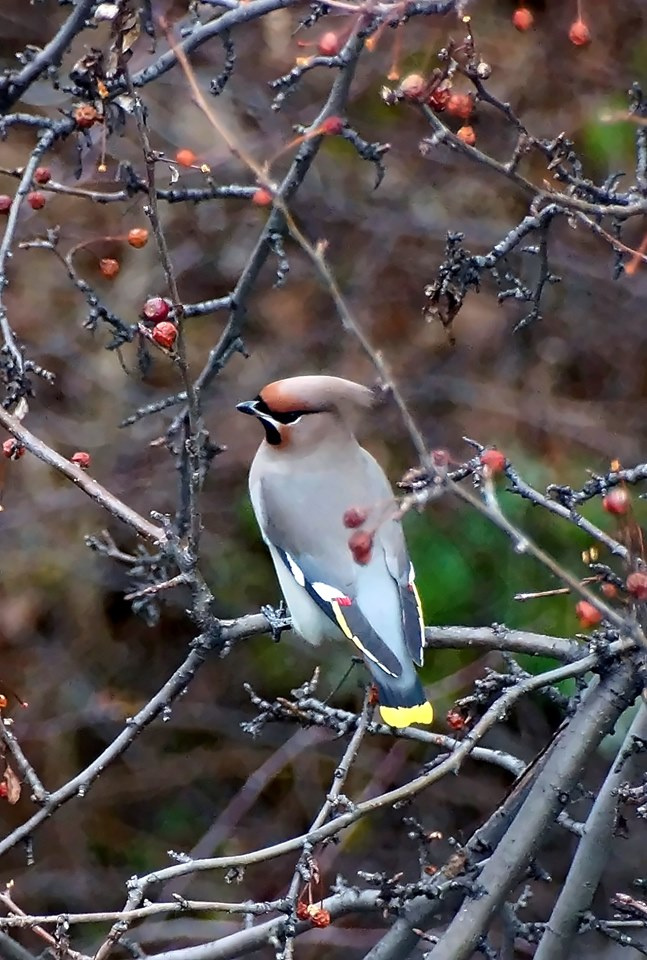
[277,619]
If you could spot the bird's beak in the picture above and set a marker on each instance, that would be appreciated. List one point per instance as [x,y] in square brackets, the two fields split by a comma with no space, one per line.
[249,406]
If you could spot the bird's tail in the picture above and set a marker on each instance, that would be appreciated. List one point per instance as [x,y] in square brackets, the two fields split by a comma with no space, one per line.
[402,701]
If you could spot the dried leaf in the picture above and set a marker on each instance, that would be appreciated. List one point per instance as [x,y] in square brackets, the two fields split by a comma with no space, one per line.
[12,784]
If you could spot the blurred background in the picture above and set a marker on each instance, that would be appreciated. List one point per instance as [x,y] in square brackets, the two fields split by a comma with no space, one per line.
[561,398]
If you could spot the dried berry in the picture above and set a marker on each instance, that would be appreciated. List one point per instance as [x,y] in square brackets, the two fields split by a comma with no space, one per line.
[138,237]
[354,517]
[587,614]
[12,449]
[329,44]
[302,911]
[637,585]
[460,105]
[456,719]
[156,309]
[439,98]
[413,87]
[82,459]
[42,175]
[3,701]
[467,135]
[262,197]
[522,19]
[360,545]
[333,126]
[109,267]
[36,199]
[494,460]
[318,916]
[185,157]
[85,116]
[579,34]
[617,501]
[164,333]
[5,203]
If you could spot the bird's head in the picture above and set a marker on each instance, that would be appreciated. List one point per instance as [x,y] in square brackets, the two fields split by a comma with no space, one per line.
[302,412]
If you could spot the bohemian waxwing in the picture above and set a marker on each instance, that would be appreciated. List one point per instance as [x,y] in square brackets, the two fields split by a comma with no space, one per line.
[327,514]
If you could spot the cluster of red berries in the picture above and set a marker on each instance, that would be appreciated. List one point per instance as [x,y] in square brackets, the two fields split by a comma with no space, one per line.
[578,32]
[155,312]
[317,916]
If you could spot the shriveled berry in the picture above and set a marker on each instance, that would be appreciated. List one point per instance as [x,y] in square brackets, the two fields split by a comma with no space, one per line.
[439,98]
[12,449]
[494,460]
[579,34]
[587,614]
[138,237]
[329,44]
[5,203]
[617,501]
[85,115]
[456,719]
[467,135]
[185,157]
[522,19]
[460,105]
[42,175]
[3,701]
[637,585]
[354,517]
[318,916]
[302,911]
[82,459]
[165,333]
[333,126]
[262,197]
[156,309]
[36,199]
[360,544]
[109,267]
[413,87]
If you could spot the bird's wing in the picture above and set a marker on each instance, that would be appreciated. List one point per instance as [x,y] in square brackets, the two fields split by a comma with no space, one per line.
[311,553]
[390,538]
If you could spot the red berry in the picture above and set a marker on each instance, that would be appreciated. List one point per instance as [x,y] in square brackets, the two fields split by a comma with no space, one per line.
[522,19]
[494,460]
[262,197]
[138,237]
[3,789]
[360,544]
[579,34]
[165,334]
[587,614]
[609,590]
[467,135]
[456,720]
[42,174]
[109,267]
[333,126]
[85,116]
[617,501]
[185,157]
[36,200]
[354,518]
[12,449]
[329,44]
[156,309]
[82,459]
[302,911]
[637,585]
[413,87]
[5,203]
[460,105]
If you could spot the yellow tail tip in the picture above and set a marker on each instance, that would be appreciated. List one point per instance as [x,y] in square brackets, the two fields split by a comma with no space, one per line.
[405,716]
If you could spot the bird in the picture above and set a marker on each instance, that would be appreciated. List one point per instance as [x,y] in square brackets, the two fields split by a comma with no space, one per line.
[328,516]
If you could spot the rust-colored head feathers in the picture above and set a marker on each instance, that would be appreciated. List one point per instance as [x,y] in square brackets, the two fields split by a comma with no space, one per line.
[315,393]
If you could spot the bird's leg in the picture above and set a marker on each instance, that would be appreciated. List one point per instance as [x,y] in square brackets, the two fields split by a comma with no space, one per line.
[277,619]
